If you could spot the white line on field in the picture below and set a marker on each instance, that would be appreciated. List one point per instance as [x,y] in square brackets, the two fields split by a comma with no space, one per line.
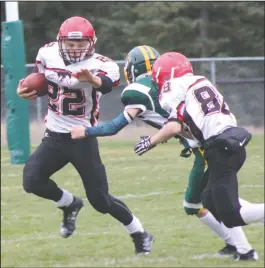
[108,262]
[12,175]
[127,196]
[7,188]
[144,195]
[209,256]
[41,236]
[251,185]
[7,164]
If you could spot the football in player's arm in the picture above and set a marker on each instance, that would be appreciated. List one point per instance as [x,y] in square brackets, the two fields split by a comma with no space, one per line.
[77,77]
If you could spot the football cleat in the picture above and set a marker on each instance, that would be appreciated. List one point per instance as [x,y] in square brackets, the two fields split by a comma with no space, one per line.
[142,242]
[227,250]
[249,256]
[69,217]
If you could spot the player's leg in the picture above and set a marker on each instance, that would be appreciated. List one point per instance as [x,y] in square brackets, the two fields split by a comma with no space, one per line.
[47,159]
[236,241]
[86,159]
[198,179]
[223,168]
[41,164]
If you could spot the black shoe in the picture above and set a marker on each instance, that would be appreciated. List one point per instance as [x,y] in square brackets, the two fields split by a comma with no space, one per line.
[69,217]
[249,256]
[227,250]
[142,242]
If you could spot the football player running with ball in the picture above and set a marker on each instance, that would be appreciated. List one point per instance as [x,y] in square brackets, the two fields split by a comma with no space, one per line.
[194,104]
[77,77]
[140,99]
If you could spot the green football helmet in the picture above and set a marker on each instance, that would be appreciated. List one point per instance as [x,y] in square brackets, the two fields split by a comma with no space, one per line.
[139,61]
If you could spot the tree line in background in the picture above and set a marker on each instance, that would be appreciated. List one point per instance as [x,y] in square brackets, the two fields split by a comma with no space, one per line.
[197,29]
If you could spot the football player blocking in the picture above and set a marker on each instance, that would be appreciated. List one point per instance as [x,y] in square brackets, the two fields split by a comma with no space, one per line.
[140,99]
[196,105]
[77,77]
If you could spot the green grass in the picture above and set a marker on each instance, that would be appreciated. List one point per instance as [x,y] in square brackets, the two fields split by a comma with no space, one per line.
[152,186]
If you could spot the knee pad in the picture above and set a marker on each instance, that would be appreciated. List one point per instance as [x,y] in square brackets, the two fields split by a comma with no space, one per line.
[207,202]
[29,184]
[191,211]
[232,219]
[191,208]
[33,180]
[99,201]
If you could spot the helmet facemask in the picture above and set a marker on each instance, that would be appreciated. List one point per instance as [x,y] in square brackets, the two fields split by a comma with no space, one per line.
[76,54]
[129,73]
[132,72]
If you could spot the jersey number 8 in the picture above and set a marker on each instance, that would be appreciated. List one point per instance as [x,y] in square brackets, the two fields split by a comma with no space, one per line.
[210,102]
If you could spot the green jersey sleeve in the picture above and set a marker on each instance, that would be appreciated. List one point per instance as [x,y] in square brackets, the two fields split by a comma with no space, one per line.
[135,98]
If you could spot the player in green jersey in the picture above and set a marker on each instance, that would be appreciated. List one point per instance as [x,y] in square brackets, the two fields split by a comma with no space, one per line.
[140,99]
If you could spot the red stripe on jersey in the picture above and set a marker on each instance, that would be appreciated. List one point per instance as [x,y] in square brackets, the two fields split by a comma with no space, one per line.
[116,83]
[101,72]
[36,65]
[45,119]
[57,69]
[94,114]
[196,82]
[180,111]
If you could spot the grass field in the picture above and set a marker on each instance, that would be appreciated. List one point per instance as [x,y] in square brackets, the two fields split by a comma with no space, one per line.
[152,186]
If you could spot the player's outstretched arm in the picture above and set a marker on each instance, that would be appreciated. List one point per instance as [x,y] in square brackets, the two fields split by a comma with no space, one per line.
[108,129]
[100,82]
[171,129]
[84,75]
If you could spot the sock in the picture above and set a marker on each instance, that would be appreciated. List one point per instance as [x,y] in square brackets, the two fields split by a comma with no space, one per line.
[135,226]
[243,202]
[239,240]
[66,199]
[252,213]
[220,229]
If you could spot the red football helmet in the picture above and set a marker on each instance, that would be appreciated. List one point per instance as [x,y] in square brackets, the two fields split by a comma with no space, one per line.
[76,29]
[170,65]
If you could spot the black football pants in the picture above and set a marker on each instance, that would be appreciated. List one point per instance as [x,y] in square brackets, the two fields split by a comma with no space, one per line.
[57,150]
[221,193]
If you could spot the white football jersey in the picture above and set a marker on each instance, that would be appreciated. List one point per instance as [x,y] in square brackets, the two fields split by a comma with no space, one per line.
[71,102]
[195,102]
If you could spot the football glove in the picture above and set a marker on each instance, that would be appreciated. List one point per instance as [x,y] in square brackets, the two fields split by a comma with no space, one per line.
[186,152]
[143,145]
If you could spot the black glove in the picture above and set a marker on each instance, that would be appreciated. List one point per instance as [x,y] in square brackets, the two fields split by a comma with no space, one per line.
[186,152]
[143,145]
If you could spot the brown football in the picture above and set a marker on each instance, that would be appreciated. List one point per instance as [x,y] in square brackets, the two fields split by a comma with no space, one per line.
[38,82]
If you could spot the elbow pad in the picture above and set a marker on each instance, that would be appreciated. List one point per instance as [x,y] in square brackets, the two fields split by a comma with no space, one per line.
[106,85]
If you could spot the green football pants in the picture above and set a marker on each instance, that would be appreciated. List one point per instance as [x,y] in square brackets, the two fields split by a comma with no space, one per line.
[197,182]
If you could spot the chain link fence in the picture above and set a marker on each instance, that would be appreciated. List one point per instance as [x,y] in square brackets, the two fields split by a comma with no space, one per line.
[240,80]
